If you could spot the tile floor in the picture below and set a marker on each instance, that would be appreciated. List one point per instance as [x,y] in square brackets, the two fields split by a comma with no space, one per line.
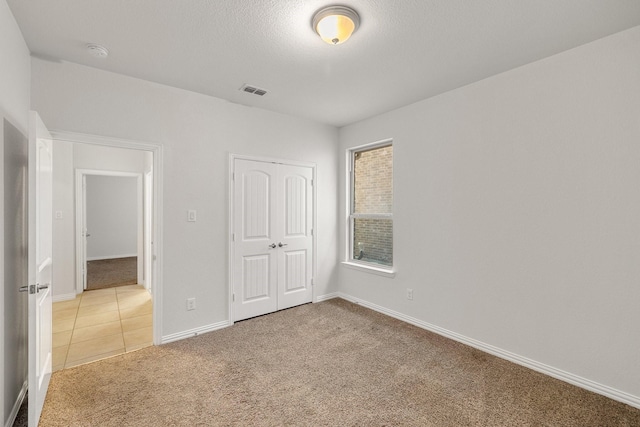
[101,323]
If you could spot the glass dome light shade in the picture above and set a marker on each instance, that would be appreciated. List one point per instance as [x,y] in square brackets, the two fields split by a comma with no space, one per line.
[336,24]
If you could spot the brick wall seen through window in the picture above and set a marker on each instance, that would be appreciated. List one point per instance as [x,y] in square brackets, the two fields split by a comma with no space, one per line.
[372,203]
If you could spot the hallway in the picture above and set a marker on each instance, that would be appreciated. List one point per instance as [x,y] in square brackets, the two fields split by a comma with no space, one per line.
[100,324]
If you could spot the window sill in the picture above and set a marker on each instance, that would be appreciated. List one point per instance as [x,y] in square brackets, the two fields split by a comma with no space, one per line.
[370,269]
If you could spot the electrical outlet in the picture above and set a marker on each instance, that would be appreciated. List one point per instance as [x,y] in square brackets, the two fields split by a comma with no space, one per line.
[191,304]
[409,293]
[191,216]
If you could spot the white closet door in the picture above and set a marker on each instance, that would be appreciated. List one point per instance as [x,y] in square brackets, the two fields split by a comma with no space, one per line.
[295,243]
[273,241]
[254,257]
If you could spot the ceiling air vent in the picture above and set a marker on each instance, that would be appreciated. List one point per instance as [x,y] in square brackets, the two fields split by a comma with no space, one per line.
[254,90]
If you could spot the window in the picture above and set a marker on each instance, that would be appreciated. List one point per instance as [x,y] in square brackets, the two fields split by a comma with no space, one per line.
[371,206]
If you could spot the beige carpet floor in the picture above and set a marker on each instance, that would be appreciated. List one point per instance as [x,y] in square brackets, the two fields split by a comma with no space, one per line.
[109,273]
[327,364]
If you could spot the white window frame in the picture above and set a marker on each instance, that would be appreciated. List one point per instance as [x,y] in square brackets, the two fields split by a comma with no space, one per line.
[350,262]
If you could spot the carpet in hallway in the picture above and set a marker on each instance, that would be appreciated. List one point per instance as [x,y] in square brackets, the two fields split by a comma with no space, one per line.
[109,273]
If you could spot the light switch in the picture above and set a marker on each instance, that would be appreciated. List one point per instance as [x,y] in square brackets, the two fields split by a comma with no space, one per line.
[191,216]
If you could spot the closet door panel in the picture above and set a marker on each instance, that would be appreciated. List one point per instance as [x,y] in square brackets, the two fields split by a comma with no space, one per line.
[254,256]
[295,258]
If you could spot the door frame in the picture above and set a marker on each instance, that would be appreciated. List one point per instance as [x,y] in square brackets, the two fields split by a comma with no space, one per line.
[157,150]
[81,212]
[147,221]
[230,181]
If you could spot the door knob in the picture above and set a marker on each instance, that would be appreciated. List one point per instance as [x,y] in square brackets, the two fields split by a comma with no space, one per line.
[30,288]
[41,287]
[280,244]
[272,246]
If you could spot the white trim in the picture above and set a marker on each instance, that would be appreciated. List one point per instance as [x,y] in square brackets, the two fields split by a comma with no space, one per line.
[78,195]
[230,178]
[147,223]
[369,268]
[326,297]
[102,172]
[372,145]
[158,161]
[104,140]
[195,332]
[16,406]
[371,216]
[64,297]
[314,231]
[230,238]
[102,258]
[568,377]
[271,160]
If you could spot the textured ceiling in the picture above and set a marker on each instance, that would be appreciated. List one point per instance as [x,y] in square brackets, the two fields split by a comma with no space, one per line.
[404,51]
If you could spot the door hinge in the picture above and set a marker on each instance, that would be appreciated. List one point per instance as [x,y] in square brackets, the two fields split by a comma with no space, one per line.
[313,281]
[312,231]
[233,297]
[233,176]
[233,237]
[312,183]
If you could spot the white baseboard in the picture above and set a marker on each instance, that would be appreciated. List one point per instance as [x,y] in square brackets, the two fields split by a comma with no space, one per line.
[100,258]
[194,332]
[17,404]
[63,297]
[325,297]
[224,324]
[568,377]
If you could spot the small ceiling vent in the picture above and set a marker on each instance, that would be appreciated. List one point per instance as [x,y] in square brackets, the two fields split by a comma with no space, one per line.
[254,90]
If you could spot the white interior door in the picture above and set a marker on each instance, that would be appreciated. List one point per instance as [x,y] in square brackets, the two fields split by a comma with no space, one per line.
[272,237]
[295,240]
[255,247]
[40,264]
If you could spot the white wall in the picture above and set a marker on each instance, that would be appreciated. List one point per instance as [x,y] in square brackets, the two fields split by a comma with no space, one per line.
[68,157]
[112,216]
[198,133]
[64,248]
[86,156]
[15,73]
[517,211]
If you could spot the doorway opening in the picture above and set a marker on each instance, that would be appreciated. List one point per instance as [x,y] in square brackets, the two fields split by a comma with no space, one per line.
[117,199]
[113,224]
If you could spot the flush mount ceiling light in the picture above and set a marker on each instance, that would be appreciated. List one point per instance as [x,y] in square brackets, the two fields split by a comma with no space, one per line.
[97,50]
[335,24]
